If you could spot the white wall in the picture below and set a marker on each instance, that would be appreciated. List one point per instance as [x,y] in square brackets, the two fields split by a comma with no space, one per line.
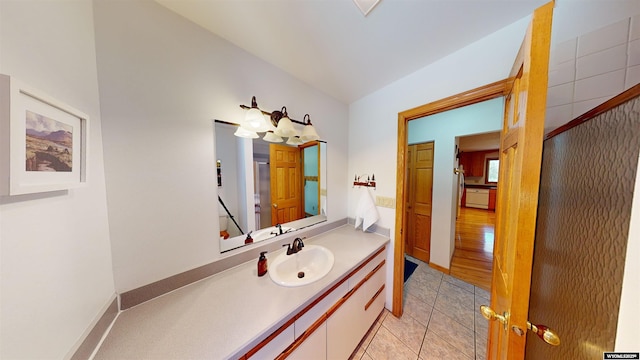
[443,128]
[373,120]
[55,257]
[162,80]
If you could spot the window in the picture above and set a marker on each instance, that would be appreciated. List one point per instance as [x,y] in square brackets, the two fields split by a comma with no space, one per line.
[491,173]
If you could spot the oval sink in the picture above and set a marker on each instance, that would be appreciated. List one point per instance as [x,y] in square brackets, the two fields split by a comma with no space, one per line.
[268,233]
[310,264]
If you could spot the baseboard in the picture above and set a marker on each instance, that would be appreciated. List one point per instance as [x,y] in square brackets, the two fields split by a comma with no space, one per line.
[96,331]
[439,268]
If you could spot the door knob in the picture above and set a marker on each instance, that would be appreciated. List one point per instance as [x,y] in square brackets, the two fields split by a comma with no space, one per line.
[275,205]
[489,314]
[547,335]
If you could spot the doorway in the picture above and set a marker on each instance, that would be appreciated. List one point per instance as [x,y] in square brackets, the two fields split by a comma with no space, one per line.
[472,259]
[484,93]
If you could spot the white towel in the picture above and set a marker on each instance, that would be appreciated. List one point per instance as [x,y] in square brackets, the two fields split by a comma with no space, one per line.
[366,212]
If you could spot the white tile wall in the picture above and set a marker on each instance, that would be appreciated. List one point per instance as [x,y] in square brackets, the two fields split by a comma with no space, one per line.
[634,34]
[612,35]
[611,83]
[611,59]
[560,95]
[633,77]
[562,73]
[582,107]
[586,71]
[563,52]
[634,53]
[557,116]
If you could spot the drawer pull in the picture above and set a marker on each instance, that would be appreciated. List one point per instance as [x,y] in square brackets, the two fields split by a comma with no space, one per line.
[375,296]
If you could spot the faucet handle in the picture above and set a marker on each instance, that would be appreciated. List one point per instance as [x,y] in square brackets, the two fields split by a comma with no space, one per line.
[248,239]
[289,251]
[298,244]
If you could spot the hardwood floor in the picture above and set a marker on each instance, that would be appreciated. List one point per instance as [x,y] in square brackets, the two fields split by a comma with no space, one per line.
[473,255]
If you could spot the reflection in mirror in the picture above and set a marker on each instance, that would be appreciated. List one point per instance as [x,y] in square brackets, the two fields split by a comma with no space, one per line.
[265,184]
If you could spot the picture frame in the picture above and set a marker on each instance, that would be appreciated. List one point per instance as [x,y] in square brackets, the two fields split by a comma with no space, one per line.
[44,142]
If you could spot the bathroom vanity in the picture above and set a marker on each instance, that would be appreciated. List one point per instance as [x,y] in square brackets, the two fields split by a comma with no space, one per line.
[237,315]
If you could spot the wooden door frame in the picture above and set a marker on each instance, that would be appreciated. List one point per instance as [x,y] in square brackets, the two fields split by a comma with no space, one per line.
[483,93]
[302,147]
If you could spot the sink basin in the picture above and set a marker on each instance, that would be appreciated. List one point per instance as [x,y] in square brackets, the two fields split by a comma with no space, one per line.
[310,264]
[268,233]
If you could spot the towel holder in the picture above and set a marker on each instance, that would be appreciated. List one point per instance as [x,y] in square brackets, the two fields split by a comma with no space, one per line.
[369,182]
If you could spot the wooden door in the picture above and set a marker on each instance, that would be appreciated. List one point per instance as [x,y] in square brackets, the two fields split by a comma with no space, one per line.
[286,183]
[520,158]
[420,175]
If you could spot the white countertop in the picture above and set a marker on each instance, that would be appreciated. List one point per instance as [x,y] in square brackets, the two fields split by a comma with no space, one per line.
[226,314]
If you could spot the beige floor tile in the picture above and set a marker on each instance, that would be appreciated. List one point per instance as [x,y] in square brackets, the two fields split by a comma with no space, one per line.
[366,357]
[456,303]
[407,329]
[427,279]
[453,332]
[385,346]
[418,309]
[481,348]
[435,348]
[481,325]
[462,284]
[482,293]
[421,291]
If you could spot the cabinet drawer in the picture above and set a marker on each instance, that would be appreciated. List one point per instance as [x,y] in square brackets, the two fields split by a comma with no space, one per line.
[362,273]
[275,346]
[349,323]
[314,347]
[308,318]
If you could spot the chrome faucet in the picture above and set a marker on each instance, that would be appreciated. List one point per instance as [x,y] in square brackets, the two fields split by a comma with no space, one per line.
[296,246]
[279,232]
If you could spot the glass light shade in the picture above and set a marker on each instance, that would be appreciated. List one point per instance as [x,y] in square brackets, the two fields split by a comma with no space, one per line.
[285,128]
[255,121]
[271,137]
[294,140]
[309,133]
[244,133]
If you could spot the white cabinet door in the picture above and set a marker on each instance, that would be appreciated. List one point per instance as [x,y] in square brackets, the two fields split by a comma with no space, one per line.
[357,277]
[314,347]
[306,320]
[276,346]
[348,325]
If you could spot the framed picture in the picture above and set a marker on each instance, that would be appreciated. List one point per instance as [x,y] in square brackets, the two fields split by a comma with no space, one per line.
[44,141]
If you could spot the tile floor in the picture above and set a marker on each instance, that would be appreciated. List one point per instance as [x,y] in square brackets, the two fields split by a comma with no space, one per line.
[440,321]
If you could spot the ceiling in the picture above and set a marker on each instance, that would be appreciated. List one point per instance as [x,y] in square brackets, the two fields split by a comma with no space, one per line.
[332,46]
[479,142]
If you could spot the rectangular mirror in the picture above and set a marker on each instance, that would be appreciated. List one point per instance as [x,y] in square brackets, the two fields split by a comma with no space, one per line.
[267,188]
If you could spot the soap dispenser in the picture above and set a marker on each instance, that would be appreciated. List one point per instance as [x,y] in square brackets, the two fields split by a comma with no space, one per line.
[262,264]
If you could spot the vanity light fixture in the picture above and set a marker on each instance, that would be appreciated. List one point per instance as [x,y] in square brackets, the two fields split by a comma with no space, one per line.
[285,126]
[271,137]
[294,140]
[309,132]
[280,125]
[244,133]
[254,119]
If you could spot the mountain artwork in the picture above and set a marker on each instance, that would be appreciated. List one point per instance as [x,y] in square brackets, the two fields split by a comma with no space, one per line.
[49,144]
